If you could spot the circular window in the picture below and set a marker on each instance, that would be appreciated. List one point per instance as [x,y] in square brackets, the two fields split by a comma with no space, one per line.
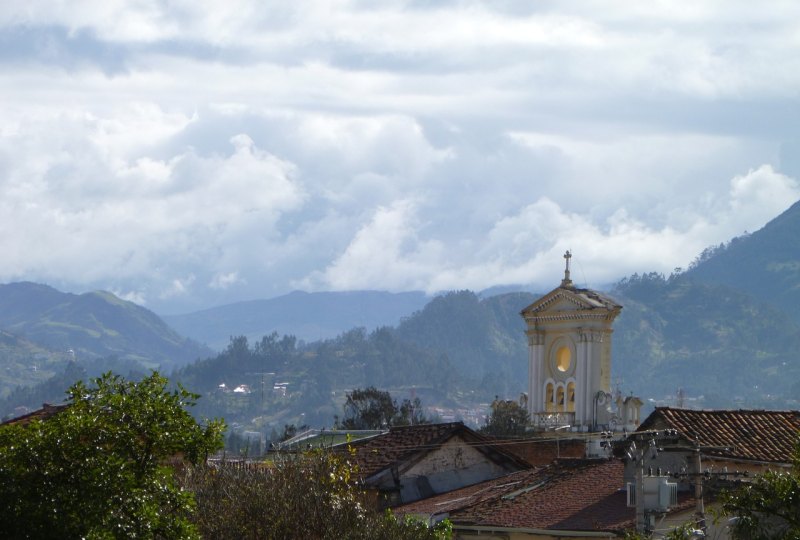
[563,359]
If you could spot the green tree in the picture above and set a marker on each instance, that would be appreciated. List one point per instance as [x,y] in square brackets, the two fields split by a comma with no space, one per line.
[309,495]
[370,408]
[769,506]
[508,419]
[99,468]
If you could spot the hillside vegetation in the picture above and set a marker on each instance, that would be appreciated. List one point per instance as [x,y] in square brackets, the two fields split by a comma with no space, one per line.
[42,329]
[764,264]
[709,340]
[721,344]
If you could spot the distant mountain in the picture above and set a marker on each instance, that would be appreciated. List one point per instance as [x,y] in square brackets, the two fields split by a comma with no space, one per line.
[95,324]
[484,338]
[25,363]
[728,329]
[765,264]
[709,340]
[307,316]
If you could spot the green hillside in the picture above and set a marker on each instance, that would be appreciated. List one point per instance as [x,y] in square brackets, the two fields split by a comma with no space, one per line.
[25,363]
[726,332]
[307,316]
[709,340]
[764,264]
[42,329]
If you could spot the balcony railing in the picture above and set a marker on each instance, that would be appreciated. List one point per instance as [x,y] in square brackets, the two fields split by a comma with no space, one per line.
[551,420]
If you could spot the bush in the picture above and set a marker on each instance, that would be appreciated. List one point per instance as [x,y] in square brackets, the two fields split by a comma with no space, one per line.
[309,495]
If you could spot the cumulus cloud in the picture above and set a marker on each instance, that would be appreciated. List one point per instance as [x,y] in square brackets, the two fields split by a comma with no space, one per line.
[188,153]
[761,194]
[526,248]
[223,281]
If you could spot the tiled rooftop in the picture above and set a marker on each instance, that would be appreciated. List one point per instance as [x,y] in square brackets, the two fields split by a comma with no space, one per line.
[44,413]
[568,495]
[768,436]
[401,444]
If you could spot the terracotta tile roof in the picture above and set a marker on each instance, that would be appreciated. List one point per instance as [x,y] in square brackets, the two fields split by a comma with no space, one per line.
[404,444]
[44,413]
[757,435]
[576,495]
[543,451]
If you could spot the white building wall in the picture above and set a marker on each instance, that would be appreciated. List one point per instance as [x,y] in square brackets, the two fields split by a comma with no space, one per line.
[455,464]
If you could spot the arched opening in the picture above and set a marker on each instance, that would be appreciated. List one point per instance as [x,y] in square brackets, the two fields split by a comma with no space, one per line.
[571,397]
[549,403]
[560,399]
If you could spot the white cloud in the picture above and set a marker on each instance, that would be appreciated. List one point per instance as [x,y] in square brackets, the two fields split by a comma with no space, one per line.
[386,253]
[526,248]
[224,281]
[760,195]
[196,153]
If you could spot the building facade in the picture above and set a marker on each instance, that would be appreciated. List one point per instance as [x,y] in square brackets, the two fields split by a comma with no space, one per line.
[569,360]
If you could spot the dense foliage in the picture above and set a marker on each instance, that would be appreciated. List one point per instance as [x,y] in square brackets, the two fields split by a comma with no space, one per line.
[98,468]
[764,264]
[708,339]
[311,495]
[313,378]
[370,408]
[508,419]
[769,506]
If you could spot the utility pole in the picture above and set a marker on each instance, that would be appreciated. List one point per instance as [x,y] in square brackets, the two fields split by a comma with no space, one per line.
[700,515]
[640,444]
[641,525]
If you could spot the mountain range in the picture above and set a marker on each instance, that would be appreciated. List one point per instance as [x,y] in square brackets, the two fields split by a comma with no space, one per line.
[42,329]
[307,316]
[724,333]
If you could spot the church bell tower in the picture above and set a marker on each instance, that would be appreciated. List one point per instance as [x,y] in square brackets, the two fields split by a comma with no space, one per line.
[569,356]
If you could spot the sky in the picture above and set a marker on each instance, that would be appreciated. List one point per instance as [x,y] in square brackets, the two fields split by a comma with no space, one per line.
[185,154]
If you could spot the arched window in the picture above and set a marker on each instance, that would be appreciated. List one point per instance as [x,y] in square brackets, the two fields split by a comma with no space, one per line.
[549,403]
[560,399]
[571,397]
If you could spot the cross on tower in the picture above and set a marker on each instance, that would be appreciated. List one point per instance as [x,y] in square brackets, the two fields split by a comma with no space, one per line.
[567,282]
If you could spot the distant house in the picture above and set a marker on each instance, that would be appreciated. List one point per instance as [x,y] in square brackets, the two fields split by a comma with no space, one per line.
[570,498]
[747,440]
[44,413]
[405,464]
[708,450]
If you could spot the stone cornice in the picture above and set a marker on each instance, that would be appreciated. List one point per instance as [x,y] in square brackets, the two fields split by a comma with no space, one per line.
[572,316]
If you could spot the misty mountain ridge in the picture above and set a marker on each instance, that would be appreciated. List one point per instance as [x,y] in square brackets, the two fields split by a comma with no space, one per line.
[697,330]
[307,316]
[765,264]
[45,328]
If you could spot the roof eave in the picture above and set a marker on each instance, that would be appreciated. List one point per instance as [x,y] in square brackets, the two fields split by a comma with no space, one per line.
[530,530]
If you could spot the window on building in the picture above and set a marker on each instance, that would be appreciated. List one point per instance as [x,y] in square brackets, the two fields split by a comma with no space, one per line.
[563,359]
[560,399]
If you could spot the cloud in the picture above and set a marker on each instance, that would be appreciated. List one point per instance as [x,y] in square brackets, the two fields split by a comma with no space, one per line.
[92,213]
[224,281]
[526,248]
[760,195]
[387,252]
[199,153]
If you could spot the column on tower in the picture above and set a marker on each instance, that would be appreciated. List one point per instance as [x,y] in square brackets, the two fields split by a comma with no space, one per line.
[535,371]
[582,379]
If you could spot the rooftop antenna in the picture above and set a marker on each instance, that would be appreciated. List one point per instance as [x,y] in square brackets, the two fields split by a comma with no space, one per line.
[583,275]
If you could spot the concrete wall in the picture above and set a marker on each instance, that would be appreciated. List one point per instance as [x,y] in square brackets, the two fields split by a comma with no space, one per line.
[455,464]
